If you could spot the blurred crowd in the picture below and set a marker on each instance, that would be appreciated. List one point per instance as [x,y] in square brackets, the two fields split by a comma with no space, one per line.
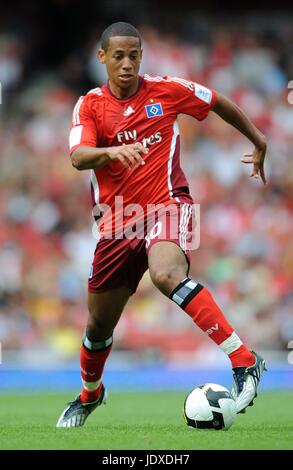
[46,242]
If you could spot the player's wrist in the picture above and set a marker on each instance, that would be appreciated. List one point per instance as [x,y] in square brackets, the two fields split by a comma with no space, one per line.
[261,142]
[107,153]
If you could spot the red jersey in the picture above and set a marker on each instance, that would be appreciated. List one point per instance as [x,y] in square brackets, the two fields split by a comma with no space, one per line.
[150,117]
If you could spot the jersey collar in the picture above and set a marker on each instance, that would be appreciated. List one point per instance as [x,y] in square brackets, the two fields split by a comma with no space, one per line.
[140,83]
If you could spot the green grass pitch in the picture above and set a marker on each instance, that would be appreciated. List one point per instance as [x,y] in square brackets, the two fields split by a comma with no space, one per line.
[141,421]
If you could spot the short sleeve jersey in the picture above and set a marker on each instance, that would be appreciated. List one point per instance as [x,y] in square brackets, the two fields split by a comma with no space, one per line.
[150,117]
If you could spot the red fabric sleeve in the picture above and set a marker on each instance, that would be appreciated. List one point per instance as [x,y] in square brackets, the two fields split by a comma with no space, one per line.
[192,98]
[84,129]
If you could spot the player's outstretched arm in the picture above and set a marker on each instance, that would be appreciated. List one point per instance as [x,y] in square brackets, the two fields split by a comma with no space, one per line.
[232,114]
[86,158]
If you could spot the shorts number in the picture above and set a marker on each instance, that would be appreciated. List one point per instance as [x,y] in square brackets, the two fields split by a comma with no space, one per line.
[155,232]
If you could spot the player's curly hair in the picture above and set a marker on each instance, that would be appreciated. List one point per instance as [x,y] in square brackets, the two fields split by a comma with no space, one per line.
[118,29]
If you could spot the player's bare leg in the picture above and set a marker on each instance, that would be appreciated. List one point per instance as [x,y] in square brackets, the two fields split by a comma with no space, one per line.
[167,265]
[168,270]
[105,309]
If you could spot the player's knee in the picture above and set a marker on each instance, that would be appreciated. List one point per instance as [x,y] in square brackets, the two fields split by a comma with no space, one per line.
[98,328]
[165,279]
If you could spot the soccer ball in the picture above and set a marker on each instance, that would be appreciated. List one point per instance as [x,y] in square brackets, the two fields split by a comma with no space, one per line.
[210,406]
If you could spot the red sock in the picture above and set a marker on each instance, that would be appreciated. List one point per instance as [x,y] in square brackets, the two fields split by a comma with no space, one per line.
[199,304]
[242,357]
[92,366]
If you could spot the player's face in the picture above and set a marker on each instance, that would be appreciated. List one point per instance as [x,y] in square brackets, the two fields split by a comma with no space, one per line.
[122,60]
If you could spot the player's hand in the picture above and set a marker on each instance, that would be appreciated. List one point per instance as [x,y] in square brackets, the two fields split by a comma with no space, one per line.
[129,155]
[257,159]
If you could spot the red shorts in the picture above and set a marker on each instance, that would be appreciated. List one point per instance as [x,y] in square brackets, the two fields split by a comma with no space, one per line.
[122,262]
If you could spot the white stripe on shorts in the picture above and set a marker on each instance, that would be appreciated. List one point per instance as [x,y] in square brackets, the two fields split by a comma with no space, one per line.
[186,212]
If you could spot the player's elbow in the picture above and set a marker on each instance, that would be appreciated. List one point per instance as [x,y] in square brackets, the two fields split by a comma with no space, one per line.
[76,161]
[76,164]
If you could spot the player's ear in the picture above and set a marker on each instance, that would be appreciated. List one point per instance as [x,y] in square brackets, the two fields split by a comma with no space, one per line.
[101,56]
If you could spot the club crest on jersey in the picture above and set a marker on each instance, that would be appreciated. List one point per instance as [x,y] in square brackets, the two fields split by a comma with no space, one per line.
[154,110]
